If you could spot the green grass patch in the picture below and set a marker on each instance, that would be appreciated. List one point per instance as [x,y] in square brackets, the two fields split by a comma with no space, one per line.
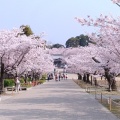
[9,82]
[42,81]
[26,85]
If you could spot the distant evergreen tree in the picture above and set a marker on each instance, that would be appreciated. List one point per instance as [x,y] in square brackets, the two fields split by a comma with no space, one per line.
[26,30]
[72,42]
[82,40]
[57,45]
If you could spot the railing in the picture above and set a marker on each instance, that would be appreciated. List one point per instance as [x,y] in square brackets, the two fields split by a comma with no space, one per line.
[101,93]
[113,104]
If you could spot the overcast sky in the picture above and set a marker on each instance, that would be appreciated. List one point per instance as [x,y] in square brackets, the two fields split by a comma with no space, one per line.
[54,17]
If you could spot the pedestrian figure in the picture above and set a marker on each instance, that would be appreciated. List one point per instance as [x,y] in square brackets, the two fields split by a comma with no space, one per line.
[51,76]
[56,77]
[48,77]
[66,76]
[17,85]
[55,71]
[59,76]
[62,77]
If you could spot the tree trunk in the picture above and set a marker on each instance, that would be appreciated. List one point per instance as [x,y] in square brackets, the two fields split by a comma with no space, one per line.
[79,76]
[113,86]
[1,78]
[111,80]
[91,80]
[88,81]
[25,78]
[33,76]
[84,77]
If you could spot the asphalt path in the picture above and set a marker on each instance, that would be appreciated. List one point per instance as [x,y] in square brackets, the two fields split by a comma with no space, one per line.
[61,100]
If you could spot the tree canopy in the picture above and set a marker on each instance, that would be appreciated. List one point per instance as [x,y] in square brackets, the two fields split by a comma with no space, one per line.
[82,40]
[57,45]
[26,30]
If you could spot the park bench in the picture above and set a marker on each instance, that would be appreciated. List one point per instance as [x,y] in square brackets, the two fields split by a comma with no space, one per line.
[13,88]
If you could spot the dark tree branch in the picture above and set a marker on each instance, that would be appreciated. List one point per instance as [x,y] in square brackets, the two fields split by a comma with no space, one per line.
[118,4]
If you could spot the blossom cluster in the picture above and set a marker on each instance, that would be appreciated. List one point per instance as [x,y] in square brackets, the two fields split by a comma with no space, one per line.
[22,54]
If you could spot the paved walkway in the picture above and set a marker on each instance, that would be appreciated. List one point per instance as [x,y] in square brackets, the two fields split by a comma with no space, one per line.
[52,100]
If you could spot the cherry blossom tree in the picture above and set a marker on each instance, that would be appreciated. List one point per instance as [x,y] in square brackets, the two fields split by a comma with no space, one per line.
[80,60]
[12,51]
[116,2]
[108,38]
[35,63]
[19,53]
[56,51]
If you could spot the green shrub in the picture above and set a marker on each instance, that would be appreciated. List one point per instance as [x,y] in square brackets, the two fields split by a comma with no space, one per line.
[26,85]
[29,79]
[9,82]
[43,77]
[22,80]
[41,81]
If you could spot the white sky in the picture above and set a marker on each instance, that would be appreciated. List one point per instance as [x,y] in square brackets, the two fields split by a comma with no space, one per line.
[55,17]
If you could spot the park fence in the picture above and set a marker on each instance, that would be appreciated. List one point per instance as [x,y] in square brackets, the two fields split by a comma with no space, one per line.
[112,102]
